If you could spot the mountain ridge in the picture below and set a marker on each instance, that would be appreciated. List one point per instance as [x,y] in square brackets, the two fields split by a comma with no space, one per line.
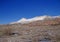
[47,30]
[45,17]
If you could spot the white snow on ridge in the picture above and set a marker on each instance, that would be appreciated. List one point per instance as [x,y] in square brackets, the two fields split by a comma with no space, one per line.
[24,20]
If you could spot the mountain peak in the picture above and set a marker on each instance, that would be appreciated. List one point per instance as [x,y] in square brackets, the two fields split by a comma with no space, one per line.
[24,20]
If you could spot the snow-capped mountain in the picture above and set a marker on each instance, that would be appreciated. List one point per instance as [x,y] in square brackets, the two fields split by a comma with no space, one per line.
[24,20]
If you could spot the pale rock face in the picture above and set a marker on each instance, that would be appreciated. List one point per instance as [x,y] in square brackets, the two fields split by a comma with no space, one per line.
[24,20]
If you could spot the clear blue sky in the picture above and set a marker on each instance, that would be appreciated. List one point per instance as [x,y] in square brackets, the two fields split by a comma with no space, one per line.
[13,10]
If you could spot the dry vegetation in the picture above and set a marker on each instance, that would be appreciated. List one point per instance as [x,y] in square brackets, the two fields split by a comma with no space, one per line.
[41,31]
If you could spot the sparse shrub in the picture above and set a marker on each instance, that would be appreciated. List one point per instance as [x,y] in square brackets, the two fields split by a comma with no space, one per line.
[1,33]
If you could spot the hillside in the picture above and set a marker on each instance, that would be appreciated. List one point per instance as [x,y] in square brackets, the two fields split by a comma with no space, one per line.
[47,30]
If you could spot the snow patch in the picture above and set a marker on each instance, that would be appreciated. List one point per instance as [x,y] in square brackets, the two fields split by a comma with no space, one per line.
[24,20]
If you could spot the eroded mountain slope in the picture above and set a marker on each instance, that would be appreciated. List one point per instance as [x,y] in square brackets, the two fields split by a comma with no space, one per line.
[37,31]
